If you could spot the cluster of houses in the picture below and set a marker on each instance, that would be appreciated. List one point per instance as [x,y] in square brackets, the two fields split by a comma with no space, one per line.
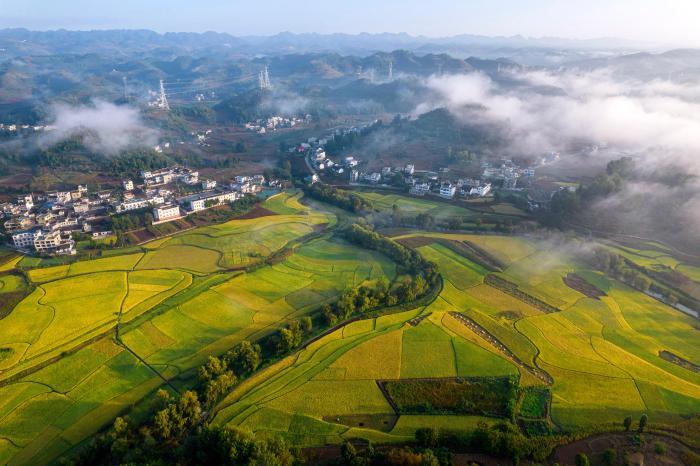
[507,172]
[167,207]
[321,162]
[45,223]
[263,125]
[15,128]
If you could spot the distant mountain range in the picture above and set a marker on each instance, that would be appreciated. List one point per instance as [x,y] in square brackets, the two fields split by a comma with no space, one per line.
[528,51]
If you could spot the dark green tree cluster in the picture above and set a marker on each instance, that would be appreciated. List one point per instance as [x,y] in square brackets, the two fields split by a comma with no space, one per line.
[566,203]
[502,439]
[418,456]
[616,266]
[133,220]
[216,379]
[361,299]
[176,435]
[338,197]
[220,374]
[293,334]
[131,163]
[407,258]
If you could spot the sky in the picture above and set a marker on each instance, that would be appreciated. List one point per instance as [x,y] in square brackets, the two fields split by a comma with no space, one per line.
[655,21]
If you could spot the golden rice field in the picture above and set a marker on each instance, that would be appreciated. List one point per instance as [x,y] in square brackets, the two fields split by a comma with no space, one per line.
[64,374]
[602,355]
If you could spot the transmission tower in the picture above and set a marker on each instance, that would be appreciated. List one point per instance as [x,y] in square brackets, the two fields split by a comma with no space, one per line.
[391,71]
[162,99]
[264,80]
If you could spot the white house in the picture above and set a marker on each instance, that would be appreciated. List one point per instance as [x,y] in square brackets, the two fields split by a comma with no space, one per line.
[481,190]
[166,212]
[52,242]
[128,185]
[420,189]
[203,201]
[208,184]
[448,190]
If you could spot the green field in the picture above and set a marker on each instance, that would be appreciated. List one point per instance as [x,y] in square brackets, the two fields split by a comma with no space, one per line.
[91,339]
[62,374]
[415,206]
[347,363]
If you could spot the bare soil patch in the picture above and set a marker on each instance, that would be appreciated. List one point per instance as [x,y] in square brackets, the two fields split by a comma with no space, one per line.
[579,284]
[256,212]
[679,361]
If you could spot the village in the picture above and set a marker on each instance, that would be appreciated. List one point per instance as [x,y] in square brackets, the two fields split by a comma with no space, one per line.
[47,223]
[504,174]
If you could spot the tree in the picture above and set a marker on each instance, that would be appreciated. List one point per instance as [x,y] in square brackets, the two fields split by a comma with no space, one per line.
[306,324]
[609,457]
[426,437]
[348,452]
[582,460]
[286,341]
[627,423]
[643,422]
[245,357]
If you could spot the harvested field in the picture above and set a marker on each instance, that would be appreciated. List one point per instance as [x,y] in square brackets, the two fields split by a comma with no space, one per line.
[256,212]
[580,284]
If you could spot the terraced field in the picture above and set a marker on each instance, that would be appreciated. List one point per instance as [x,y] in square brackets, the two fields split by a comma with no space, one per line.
[291,398]
[172,303]
[601,356]
[91,339]
[439,210]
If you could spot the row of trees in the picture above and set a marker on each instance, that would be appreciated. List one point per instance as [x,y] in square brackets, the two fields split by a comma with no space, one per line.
[361,299]
[176,435]
[293,334]
[615,265]
[338,197]
[502,439]
[407,258]
[219,375]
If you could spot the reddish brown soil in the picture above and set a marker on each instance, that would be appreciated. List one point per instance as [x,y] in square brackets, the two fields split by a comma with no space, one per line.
[256,212]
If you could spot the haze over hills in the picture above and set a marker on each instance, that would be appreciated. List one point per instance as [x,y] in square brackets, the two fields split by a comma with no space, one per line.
[546,50]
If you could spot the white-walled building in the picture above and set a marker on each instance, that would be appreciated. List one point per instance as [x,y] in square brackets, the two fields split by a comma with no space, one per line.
[448,190]
[481,191]
[52,242]
[128,185]
[420,189]
[203,201]
[166,212]
[136,204]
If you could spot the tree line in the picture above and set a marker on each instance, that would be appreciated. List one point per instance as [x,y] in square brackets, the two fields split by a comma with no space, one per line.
[337,197]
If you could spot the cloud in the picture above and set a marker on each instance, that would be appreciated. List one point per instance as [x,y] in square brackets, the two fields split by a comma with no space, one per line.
[549,111]
[285,102]
[655,121]
[106,128]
